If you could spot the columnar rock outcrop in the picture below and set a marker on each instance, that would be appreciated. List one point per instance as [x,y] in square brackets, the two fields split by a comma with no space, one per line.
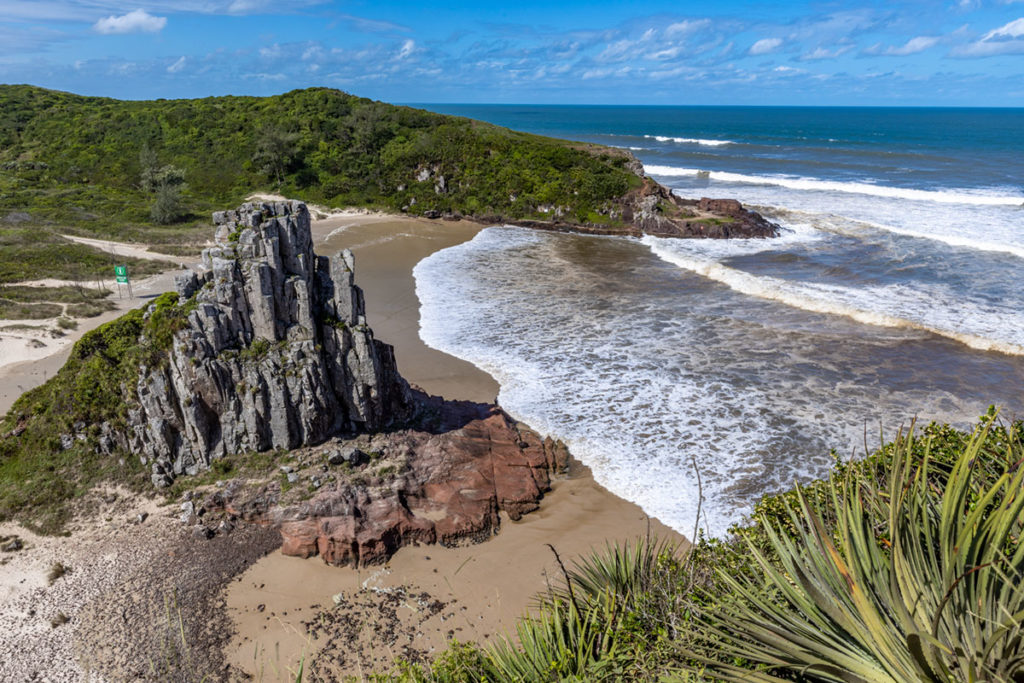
[276,352]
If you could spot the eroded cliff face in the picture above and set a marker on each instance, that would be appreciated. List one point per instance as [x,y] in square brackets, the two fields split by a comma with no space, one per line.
[276,353]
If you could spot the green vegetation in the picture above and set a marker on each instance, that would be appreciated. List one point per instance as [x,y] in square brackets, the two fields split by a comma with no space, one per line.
[39,252]
[919,578]
[906,566]
[24,303]
[153,171]
[39,476]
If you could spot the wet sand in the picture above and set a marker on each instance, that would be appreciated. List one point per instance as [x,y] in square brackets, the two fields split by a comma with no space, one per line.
[343,621]
[386,249]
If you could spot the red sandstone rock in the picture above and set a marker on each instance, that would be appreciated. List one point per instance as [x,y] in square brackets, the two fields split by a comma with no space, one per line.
[451,490]
[727,207]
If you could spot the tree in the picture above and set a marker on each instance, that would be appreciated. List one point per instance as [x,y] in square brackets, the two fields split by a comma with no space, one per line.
[275,152]
[149,168]
[168,206]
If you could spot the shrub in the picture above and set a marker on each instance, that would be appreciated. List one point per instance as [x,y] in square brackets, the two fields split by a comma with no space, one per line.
[922,578]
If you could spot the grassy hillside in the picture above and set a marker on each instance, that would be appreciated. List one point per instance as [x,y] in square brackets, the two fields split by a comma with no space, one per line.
[102,167]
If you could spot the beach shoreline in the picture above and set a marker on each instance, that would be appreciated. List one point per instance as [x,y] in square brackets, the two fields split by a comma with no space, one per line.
[283,610]
[485,587]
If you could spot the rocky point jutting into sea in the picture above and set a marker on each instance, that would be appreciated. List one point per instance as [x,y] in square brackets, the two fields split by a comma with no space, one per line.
[276,355]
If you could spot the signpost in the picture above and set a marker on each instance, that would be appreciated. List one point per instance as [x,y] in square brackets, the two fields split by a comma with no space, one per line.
[121,275]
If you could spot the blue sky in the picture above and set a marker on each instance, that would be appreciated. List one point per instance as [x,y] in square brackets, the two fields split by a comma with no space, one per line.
[901,52]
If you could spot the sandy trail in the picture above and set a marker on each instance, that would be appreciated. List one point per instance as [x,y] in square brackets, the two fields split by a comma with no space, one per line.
[129,249]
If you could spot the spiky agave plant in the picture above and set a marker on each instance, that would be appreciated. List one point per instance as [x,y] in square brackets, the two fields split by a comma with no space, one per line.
[564,641]
[922,581]
[595,626]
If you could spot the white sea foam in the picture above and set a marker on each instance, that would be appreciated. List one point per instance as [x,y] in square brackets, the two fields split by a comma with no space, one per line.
[646,373]
[993,197]
[690,141]
[948,314]
[809,223]
[962,241]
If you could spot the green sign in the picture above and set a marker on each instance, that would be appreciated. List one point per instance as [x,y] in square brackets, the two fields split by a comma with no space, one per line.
[121,274]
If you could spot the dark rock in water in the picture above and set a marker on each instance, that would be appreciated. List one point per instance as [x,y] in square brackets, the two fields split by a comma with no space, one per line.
[658,212]
[653,209]
[276,353]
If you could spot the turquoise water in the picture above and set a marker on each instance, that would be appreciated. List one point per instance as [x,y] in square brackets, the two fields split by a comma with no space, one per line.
[893,293]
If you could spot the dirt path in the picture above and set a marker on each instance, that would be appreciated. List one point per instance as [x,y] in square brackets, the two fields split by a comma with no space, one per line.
[125,249]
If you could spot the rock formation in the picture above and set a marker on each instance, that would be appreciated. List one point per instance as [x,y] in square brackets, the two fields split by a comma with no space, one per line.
[276,352]
[448,488]
[445,481]
[653,209]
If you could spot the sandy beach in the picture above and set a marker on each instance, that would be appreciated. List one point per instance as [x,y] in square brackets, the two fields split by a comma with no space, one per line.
[344,621]
[282,610]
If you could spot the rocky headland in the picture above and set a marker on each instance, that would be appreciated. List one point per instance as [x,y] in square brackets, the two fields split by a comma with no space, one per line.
[275,355]
[651,209]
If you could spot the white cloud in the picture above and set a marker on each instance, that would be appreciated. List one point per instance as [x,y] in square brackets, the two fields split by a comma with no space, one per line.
[264,77]
[1005,40]
[913,46]
[1014,29]
[245,6]
[667,53]
[177,66]
[136,21]
[407,49]
[765,46]
[606,73]
[617,51]
[683,27]
[823,53]
[271,52]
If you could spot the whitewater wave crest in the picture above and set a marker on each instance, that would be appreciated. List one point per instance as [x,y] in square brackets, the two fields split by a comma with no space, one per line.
[690,141]
[950,196]
[828,299]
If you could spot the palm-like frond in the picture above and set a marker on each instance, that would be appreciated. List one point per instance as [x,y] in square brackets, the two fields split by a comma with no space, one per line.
[938,597]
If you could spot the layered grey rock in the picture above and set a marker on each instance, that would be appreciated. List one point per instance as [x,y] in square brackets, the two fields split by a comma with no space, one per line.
[276,353]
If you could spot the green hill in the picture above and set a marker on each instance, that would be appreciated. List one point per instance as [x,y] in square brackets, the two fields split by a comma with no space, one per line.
[98,165]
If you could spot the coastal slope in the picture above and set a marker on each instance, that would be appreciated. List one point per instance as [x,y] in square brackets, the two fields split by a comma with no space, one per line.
[149,171]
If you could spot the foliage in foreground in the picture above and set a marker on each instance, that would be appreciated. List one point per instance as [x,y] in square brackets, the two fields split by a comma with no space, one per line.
[921,578]
[905,566]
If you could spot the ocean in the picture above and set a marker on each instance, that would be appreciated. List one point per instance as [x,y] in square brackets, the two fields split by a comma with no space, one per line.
[732,369]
